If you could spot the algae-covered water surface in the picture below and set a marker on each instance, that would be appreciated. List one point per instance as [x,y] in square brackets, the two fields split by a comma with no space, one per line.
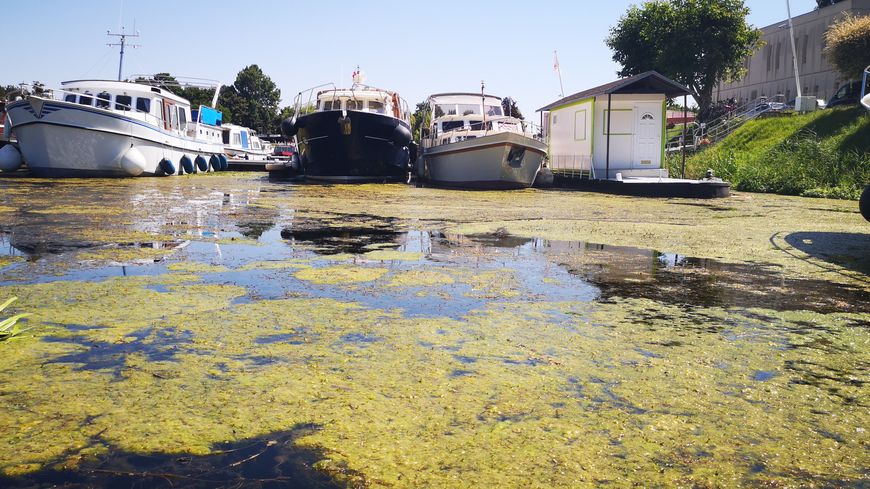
[228,330]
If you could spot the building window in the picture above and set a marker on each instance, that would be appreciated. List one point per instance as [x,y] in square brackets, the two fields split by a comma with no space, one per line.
[778,53]
[806,47]
[767,52]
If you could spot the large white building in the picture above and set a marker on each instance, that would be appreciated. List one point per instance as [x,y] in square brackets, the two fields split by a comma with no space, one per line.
[771,70]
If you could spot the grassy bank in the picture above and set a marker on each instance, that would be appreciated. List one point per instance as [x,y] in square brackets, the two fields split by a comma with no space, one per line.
[823,154]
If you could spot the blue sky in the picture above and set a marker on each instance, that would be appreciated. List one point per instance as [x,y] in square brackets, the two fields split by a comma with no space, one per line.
[416,48]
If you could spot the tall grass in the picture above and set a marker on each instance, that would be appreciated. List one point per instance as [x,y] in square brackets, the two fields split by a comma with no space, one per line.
[826,154]
[9,327]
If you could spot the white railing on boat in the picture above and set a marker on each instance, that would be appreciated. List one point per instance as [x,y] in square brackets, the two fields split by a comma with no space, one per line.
[480,128]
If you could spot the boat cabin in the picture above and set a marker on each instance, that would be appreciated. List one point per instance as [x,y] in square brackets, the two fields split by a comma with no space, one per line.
[364,99]
[462,116]
[242,138]
[154,106]
[614,128]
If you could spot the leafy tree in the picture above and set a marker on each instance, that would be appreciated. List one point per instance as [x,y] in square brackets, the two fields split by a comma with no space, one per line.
[252,101]
[420,119]
[847,45]
[509,106]
[696,42]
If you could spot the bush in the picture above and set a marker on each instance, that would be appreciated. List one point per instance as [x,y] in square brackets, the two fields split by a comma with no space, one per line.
[847,45]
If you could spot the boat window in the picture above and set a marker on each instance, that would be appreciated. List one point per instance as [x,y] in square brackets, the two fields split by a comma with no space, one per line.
[332,105]
[143,104]
[69,98]
[255,144]
[480,126]
[354,104]
[123,102]
[104,100]
[375,106]
[493,110]
[226,137]
[86,99]
[446,109]
[468,109]
[237,139]
[182,117]
[451,125]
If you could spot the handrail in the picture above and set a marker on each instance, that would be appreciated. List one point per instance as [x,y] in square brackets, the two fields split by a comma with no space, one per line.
[865,97]
[526,128]
[297,102]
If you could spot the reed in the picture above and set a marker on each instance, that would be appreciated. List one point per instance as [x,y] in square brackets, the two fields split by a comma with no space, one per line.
[10,327]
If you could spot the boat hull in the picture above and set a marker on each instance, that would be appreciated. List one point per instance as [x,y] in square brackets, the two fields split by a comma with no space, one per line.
[498,161]
[66,140]
[363,147]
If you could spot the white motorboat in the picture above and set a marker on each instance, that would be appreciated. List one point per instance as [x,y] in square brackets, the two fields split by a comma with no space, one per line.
[472,144]
[114,128]
[242,143]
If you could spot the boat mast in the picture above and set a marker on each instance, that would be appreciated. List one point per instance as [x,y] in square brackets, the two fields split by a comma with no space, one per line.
[123,36]
[482,105]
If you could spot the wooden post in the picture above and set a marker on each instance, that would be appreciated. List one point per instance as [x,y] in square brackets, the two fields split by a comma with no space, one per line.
[685,123]
[607,157]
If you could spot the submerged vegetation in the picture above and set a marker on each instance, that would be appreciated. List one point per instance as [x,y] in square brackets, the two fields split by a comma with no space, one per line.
[822,154]
[524,339]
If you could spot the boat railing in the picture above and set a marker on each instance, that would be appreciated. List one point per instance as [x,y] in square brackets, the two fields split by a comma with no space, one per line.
[59,94]
[485,128]
[307,100]
[865,97]
[572,165]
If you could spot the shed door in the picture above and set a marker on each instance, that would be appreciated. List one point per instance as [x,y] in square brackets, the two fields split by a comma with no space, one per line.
[647,136]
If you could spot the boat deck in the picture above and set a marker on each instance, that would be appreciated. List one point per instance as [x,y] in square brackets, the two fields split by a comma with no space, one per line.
[649,186]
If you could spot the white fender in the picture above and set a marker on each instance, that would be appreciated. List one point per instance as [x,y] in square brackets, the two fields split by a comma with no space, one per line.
[10,158]
[133,162]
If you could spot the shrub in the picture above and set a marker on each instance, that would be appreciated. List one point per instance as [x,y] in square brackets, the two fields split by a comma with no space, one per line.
[847,45]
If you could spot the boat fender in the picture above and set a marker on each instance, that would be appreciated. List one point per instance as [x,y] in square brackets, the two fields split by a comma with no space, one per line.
[201,163]
[166,167]
[133,162]
[215,163]
[288,126]
[412,151]
[294,164]
[225,164]
[186,164]
[864,203]
[7,128]
[401,136]
[10,158]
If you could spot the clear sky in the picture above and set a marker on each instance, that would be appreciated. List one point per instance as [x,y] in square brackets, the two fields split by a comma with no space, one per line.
[416,48]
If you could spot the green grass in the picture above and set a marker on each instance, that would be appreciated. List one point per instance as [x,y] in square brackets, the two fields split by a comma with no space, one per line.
[823,154]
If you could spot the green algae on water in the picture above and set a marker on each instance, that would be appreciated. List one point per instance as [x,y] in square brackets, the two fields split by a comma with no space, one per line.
[196,267]
[341,274]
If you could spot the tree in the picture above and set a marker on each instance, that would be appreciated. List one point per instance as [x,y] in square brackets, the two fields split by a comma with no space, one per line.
[509,106]
[826,3]
[419,119]
[252,101]
[847,45]
[696,42]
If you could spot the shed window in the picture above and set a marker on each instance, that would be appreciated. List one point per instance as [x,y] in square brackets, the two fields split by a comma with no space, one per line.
[580,125]
[123,102]
[104,100]
[143,104]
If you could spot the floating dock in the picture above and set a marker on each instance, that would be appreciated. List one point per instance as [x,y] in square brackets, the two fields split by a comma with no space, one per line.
[649,186]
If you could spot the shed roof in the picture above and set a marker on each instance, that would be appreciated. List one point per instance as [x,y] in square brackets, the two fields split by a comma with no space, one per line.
[648,82]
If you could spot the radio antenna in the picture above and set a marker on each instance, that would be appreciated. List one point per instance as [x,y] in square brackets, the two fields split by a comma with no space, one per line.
[123,43]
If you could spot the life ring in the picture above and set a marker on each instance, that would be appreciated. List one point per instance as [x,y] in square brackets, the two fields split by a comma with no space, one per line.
[201,163]
[186,164]
[166,167]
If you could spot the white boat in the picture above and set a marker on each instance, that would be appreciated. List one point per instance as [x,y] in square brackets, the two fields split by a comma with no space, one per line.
[472,144]
[114,128]
[242,143]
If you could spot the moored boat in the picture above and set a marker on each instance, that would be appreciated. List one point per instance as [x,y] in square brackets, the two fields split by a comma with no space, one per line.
[243,143]
[356,134]
[472,144]
[115,129]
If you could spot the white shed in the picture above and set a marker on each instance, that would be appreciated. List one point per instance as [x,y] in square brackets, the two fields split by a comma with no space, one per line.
[584,141]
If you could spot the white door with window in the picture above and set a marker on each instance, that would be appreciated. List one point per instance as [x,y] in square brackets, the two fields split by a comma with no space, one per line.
[647,136]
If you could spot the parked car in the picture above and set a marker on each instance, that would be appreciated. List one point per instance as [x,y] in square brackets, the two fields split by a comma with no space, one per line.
[284,150]
[848,94]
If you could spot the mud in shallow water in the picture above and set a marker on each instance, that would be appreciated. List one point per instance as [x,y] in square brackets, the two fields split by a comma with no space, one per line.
[225,328]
